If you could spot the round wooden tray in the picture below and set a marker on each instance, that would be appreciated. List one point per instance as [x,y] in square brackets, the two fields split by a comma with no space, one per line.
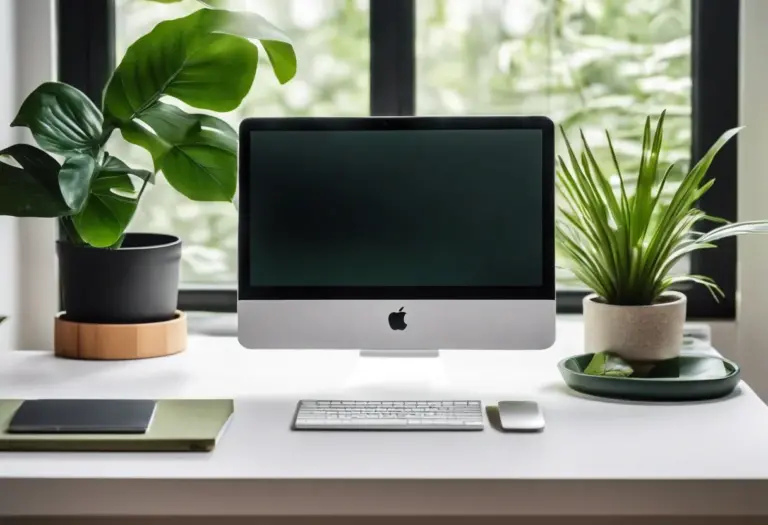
[119,341]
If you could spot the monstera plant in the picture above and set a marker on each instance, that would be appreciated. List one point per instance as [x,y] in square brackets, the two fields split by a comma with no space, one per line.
[208,61]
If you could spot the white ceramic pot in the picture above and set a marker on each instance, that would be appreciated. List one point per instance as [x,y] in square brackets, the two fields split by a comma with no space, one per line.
[636,333]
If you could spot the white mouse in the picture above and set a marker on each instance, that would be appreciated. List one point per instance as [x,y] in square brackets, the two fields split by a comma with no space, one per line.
[521,415]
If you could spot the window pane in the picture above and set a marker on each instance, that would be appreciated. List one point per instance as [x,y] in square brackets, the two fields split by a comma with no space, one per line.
[331,41]
[588,64]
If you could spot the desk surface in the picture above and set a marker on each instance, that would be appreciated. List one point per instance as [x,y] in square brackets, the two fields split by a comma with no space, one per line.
[594,457]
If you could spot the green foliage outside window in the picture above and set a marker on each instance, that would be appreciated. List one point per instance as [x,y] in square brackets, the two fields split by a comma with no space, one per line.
[588,64]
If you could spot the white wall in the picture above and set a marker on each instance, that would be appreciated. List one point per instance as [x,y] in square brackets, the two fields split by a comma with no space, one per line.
[753,195]
[8,225]
[27,260]
[38,279]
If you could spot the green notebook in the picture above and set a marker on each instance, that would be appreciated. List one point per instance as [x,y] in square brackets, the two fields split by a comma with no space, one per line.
[178,425]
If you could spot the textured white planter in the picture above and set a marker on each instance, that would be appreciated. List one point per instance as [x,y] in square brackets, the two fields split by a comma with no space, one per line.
[636,333]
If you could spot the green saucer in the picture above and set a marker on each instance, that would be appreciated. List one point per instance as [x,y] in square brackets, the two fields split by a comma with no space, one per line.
[686,378]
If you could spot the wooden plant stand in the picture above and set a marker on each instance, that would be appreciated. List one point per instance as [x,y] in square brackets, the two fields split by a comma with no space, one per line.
[119,341]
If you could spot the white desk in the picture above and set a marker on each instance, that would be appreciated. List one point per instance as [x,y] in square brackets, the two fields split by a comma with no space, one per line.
[594,458]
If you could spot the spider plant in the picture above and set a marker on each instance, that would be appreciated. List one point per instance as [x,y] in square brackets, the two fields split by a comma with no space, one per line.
[623,243]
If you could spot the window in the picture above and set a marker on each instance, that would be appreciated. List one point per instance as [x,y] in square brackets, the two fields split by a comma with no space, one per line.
[588,64]
[331,39]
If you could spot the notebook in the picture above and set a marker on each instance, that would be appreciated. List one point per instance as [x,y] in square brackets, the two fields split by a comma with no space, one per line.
[177,425]
[82,416]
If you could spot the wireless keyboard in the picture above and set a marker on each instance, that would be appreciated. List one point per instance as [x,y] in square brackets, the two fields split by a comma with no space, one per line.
[388,415]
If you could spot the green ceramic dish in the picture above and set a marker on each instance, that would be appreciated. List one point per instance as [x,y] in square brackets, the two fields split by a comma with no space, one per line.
[698,377]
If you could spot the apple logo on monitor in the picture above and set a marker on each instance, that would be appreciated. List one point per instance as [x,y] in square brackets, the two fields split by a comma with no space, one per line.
[397,320]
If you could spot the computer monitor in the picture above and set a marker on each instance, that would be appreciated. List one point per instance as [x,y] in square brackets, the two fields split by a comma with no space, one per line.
[397,233]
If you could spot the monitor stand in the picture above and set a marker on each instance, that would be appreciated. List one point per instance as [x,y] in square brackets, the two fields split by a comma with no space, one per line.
[400,353]
[398,373]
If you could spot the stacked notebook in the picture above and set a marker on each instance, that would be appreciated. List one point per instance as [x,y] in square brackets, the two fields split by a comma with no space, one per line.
[169,425]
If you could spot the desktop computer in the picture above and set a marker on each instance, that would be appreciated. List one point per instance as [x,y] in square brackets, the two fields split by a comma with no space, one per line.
[396,233]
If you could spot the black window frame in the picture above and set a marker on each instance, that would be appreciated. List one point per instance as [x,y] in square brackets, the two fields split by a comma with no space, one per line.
[86,30]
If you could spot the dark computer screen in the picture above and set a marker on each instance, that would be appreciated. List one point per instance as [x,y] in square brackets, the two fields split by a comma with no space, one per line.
[404,208]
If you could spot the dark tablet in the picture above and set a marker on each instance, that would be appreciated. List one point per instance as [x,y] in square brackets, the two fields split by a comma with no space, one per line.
[82,416]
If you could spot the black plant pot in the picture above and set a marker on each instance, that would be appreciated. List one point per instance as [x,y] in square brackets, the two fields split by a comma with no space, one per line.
[137,283]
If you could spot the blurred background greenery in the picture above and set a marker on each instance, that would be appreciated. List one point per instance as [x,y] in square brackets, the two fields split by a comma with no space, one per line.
[587,64]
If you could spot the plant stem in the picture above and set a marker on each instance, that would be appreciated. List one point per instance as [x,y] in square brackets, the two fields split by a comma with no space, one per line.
[141,191]
[138,201]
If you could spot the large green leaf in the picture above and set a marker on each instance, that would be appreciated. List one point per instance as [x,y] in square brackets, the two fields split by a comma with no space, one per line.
[196,153]
[75,179]
[203,167]
[62,119]
[159,128]
[203,60]
[107,181]
[111,203]
[31,187]
[114,166]
[106,215]
[255,27]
